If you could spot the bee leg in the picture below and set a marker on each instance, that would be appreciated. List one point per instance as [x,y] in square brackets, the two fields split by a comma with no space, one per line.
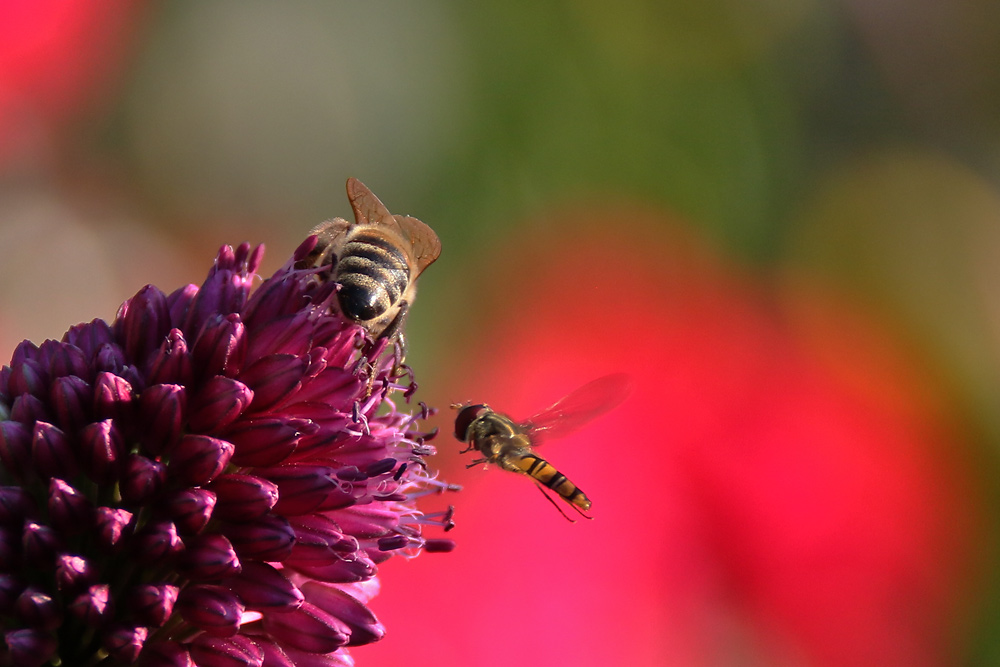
[395,326]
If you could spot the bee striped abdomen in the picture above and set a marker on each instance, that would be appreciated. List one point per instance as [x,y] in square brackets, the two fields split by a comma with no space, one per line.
[546,474]
[373,274]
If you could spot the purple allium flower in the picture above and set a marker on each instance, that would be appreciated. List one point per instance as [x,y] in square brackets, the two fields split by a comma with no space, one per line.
[212,479]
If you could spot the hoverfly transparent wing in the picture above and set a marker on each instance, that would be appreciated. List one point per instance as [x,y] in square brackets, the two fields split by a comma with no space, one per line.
[573,411]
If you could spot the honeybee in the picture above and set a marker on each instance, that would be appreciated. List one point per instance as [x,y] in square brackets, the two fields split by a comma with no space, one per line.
[511,444]
[376,260]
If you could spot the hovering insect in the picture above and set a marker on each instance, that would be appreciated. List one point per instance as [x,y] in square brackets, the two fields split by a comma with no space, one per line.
[511,444]
[376,260]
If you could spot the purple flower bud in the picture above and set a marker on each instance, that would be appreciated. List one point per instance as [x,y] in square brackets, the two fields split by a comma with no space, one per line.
[15,448]
[191,509]
[27,377]
[25,351]
[302,488]
[235,651]
[166,654]
[71,398]
[364,627]
[161,411]
[199,459]
[157,541]
[112,524]
[275,656]
[51,452]
[29,647]
[124,643]
[68,359]
[111,359]
[10,555]
[28,409]
[209,557]
[40,543]
[69,509]
[213,609]
[74,573]
[337,571]
[220,347]
[308,628]
[172,362]
[16,504]
[101,451]
[89,338]
[145,323]
[93,606]
[10,589]
[269,538]
[114,398]
[263,441]
[142,479]
[318,538]
[37,609]
[260,586]
[273,378]
[152,604]
[220,402]
[243,497]
[180,301]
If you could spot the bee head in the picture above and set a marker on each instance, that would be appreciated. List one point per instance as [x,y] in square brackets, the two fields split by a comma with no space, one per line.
[465,417]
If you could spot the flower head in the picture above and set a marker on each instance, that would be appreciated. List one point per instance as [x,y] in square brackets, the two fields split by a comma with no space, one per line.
[211,479]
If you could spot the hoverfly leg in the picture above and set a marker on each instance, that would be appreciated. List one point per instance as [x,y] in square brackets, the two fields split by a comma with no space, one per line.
[556,505]
[476,462]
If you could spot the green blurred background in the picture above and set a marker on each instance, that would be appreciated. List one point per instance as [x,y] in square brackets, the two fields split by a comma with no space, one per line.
[854,142]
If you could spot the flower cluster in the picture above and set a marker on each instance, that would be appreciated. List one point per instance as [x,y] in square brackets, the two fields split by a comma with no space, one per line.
[209,480]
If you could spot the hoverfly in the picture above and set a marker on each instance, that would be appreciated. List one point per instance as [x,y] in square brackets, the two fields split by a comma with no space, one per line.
[510,444]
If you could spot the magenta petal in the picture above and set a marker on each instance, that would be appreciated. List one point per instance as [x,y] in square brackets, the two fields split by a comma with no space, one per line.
[198,459]
[308,628]
[220,347]
[263,441]
[219,403]
[273,378]
[302,488]
[209,557]
[365,628]
[161,412]
[172,363]
[243,497]
[262,587]
[191,509]
[101,451]
[337,571]
[152,604]
[213,609]
[235,651]
[166,654]
[269,538]
[29,647]
[51,452]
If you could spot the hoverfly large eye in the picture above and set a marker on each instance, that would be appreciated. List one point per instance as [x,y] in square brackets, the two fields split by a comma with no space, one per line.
[464,420]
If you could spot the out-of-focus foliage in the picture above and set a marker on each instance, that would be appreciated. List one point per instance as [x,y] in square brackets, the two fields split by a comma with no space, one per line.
[819,147]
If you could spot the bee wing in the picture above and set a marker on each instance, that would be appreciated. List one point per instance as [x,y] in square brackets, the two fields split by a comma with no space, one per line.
[425,243]
[573,411]
[368,209]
